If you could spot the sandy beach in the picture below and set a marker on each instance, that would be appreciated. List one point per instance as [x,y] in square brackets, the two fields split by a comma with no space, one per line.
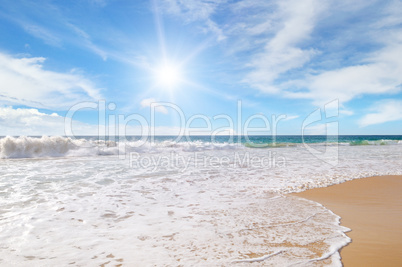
[372,209]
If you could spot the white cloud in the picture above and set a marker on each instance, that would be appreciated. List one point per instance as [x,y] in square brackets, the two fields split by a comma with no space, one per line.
[384,111]
[288,118]
[145,103]
[271,33]
[25,81]
[346,112]
[374,66]
[197,10]
[267,39]
[281,53]
[31,122]
[274,38]
[193,10]
[392,15]
[381,74]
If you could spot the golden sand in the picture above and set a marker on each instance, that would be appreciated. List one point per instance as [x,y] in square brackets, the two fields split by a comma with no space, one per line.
[372,208]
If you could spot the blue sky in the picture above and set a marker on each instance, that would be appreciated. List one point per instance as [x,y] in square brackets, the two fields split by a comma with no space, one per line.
[276,57]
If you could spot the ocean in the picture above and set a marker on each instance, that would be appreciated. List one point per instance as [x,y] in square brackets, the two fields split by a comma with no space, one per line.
[158,201]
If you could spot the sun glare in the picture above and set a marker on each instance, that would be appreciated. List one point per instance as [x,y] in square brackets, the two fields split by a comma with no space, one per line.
[168,75]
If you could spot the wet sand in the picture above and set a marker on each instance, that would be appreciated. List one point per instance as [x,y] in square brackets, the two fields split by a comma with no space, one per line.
[372,208]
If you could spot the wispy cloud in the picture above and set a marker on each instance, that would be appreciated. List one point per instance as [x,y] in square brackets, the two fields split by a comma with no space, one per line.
[384,111]
[146,103]
[317,50]
[373,70]
[201,10]
[288,118]
[282,52]
[268,33]
[33,18]
[25,81]
[85,40]
[381,74]
[44,34]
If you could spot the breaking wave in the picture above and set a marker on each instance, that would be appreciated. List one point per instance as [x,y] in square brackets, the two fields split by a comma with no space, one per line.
[58,146]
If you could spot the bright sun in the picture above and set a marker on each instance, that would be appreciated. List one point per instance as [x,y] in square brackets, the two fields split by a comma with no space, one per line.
[168,75]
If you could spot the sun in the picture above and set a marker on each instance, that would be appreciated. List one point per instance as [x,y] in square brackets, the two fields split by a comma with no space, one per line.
[168,75]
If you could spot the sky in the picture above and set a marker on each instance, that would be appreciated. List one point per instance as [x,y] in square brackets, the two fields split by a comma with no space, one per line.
[222,66]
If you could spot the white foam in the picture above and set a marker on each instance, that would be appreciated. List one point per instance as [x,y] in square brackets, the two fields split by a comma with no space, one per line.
[257,259]
[92,210]
[11,147]
[57,146]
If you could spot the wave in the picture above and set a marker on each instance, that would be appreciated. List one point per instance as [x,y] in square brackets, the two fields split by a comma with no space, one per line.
[270,145]
[58,146]
[26,147]
[381,142]
[346,143]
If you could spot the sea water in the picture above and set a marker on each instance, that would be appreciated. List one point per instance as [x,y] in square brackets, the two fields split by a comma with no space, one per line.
[167,202]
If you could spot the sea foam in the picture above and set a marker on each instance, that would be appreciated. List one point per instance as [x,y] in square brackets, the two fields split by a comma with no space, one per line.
[92,210]
[58,146]
[28,147]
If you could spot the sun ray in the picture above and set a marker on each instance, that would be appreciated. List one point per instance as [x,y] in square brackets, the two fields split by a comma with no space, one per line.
[159,29]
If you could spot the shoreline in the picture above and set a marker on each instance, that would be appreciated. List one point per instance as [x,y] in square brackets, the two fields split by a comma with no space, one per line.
[372,208]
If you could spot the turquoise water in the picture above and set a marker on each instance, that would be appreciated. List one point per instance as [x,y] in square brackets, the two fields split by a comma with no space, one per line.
[280,139]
